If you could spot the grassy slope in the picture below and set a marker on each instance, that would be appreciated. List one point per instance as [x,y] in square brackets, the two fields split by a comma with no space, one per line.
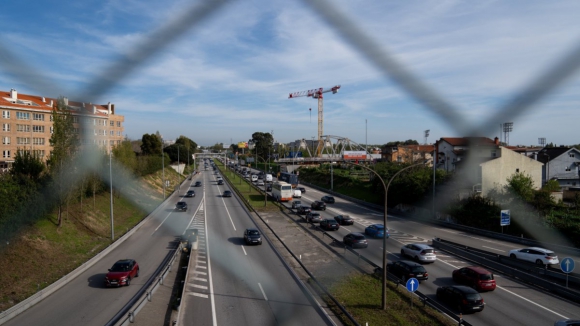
[42,253]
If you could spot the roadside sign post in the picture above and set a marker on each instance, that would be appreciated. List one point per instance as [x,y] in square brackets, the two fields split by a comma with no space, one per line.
[567,266]
[504,218]
[412,286]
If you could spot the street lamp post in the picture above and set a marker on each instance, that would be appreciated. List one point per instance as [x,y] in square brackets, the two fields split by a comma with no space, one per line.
[163,167]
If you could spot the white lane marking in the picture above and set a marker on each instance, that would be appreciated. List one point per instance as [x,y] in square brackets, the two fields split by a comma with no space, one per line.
[161,223]
[227,211]
[493,248]
[201,267]
[532,302]
[245,253]
[201,295]
[200,273]
[346,229]
[199,279]
[203,287]
[445,230]
[263,293]
[212,298]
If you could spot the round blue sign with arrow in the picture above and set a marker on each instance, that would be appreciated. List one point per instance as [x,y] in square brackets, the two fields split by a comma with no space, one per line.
[412,284]
[567,265]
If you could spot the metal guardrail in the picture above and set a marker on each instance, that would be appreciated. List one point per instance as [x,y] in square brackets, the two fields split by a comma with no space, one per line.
[525,276]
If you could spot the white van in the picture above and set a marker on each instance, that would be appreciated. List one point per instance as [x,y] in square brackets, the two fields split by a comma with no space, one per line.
[268,178]
[254,178]
[297,194]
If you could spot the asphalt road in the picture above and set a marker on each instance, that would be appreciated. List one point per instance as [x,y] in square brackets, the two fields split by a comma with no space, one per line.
[239,284]
[512,303]
[85,300]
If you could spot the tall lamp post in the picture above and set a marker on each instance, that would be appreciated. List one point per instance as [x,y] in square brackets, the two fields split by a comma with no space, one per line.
[163,167]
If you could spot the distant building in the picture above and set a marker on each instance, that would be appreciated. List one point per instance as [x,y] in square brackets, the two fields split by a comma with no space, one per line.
[27,125]
[407,153]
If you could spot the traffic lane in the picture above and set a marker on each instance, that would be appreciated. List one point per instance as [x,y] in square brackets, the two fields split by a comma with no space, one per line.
[85,299]
[254,278]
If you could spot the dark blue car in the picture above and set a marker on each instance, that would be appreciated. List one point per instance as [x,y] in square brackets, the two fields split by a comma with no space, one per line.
[376,231]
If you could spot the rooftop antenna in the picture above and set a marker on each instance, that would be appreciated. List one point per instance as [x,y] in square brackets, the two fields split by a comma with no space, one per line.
[507,128]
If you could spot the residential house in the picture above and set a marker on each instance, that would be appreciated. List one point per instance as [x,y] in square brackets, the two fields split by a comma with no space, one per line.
[407,153]
[562,165]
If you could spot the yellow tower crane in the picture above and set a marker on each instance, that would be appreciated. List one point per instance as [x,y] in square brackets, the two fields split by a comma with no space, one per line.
[317,93]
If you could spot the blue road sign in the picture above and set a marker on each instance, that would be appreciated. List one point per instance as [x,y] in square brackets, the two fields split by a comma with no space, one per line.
[412,284]
[505,217]
[567,265]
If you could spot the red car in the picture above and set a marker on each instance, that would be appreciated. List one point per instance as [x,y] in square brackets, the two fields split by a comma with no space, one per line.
[477,277]
[122,272]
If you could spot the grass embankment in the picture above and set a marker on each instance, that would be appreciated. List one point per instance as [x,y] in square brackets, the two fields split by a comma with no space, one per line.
[44,252]
[360,293]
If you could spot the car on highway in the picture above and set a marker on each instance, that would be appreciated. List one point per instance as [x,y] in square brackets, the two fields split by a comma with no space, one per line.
[252,236]
[329,224]
[220,182]
[318,205]
[540,256]
[296,193]
[420,252]
[122,272]
[181,206]
[227,193]
[477,277]
[406,269]
[377,231]
[461,297]
[197,184]
[344,219]
[567,322]
[303,210]
[260,183]
[269,187]
[313,217]
[327,199]
[190,193]
[296,204]
[302,189]
[355,240]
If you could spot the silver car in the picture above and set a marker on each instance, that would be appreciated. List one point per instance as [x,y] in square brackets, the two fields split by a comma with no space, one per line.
[420,252]
[536,255]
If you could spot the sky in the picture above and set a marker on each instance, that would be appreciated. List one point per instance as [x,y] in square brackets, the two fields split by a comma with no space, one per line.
[219,73]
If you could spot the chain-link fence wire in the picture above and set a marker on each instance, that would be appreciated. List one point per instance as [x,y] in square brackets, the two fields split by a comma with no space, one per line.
[375,53]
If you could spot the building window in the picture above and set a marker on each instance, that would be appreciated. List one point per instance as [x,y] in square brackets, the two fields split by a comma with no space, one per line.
[118,123]
[5,127]
[75,119]
[112,124]
[51,129]
[22,140]
[38,129]
[39,153]
[38,116]
[23,128]
[51,118]
[5,154]
[22,115]
[517,170]
[567,168]
[6,140]
[571,154]
[112,142]
[112,133]
[119,133]
[94,122]
[6,114]
[38,141]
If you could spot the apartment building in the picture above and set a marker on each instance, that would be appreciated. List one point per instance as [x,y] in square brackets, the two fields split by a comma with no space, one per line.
[27,125]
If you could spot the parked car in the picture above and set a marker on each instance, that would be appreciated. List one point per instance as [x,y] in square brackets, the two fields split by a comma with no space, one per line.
[460,297]
[344,220]
[181,206]
[313,217]
[296,204]
[329,225]
[190,193]
[355,240]
[477,277]
[406,269]
[227,193]
[420,252]
[318,205]
[377,231]
[197,184]
[327,199]
[536,255]
[122,272]
[303,210]
[302,189]
[252,236]
[220,182]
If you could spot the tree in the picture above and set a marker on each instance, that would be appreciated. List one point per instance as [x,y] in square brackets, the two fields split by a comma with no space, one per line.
[65,144]
[551,185]
[125,155]
[151,145]
[27,165]
[264,143]
[521,185]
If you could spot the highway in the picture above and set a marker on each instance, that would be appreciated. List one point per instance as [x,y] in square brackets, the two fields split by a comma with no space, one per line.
[239,284]
[512,303]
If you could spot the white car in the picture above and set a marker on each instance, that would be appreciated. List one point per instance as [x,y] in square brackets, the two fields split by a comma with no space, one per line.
[536,255]
[420,252]
[260,182]
[296,194]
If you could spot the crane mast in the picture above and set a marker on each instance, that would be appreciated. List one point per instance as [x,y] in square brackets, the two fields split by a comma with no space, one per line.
[317,93]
